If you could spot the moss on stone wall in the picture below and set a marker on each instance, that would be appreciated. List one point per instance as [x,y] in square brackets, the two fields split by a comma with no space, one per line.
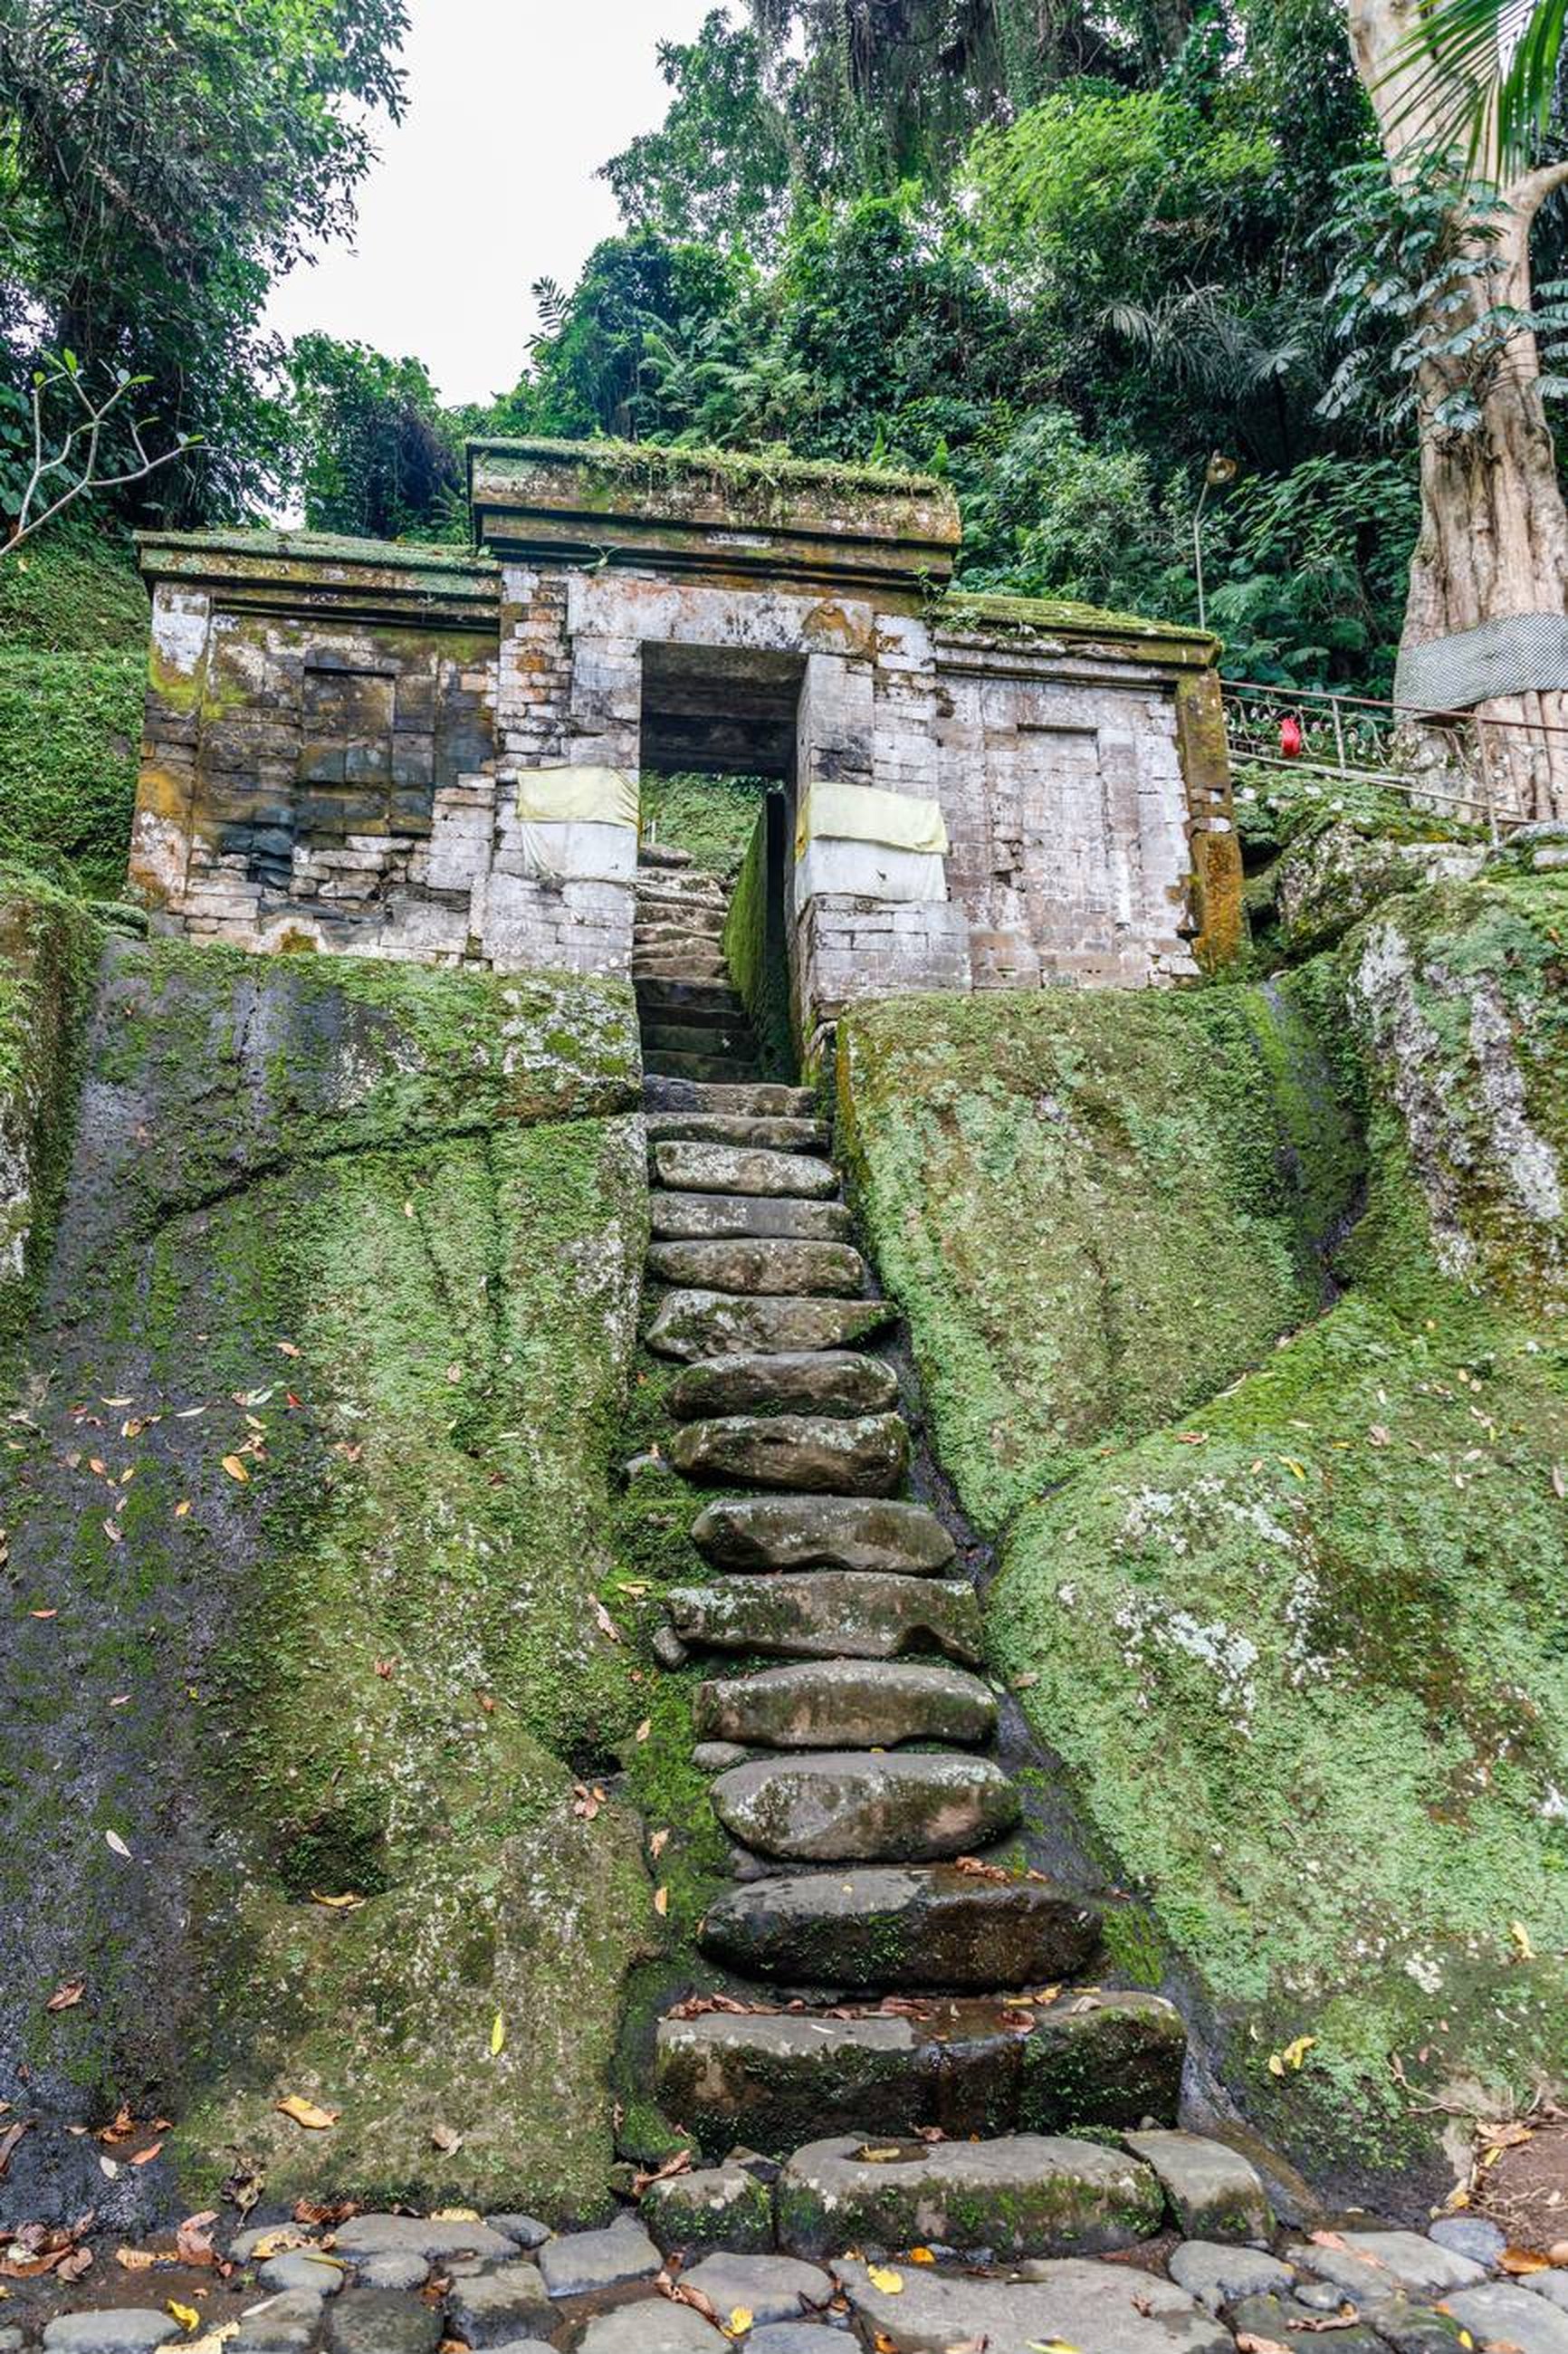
[373,1235]
[1095,1209]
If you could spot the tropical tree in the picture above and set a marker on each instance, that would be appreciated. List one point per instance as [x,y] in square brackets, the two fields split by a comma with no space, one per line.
[161,164]
[1493,547]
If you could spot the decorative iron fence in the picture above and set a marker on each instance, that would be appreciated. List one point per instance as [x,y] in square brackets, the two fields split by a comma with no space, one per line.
[1450,763]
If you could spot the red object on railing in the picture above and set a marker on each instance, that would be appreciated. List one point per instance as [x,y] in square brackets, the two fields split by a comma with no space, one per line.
[1290,736]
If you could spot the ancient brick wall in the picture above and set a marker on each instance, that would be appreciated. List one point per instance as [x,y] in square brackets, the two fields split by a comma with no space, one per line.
[425,753]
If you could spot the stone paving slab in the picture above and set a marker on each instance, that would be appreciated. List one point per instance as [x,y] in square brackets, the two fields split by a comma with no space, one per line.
[763,1534]
[1215,2193]
[1097,2309]
[901,1926]
[855,1805]
[1507,2312]
[1371,2263]
[849,1703]
[1025,2195]
[826,1614]
[769,2287]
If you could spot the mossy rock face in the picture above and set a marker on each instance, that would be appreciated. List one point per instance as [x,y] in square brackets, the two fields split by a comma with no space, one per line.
[1459,998]
[327,1383]
[1330,876]
[48,945]
[1307,1677]
[1094,1208]
[1282,1572]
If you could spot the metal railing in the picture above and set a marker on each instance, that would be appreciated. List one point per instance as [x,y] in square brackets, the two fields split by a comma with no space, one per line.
[1451,763]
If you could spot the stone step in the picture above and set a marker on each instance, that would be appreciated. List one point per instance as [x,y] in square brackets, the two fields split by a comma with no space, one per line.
[691,1324]
[850,1704]
[1026,2195]
[761,1100]
[730,1217]
[762,1534]
[720,1070]
[774,2081]
[827,1614]
[656,855]
[761,1269]
[712,1004]
[1095,2308]
[695,888]
[801,1381]
[736,1128]
[662,1038]
[852,1806]
[882,1927]
[834,1454]
[677,966]
[734,1169]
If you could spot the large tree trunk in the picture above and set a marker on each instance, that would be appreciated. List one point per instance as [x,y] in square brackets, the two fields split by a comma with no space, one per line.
[1494,526]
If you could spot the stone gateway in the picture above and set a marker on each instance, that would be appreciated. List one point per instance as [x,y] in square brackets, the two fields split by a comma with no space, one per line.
[433,755]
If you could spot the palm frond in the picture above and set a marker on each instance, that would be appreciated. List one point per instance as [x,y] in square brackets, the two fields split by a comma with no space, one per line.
[1484,72]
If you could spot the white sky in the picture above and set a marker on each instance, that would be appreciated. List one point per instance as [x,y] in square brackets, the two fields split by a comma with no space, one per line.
[489,182]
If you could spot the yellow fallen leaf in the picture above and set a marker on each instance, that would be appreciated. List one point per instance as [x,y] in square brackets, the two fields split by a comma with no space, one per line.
[921,2256]
[498,2035]
[307,2113]
[884,2277]
[644,1730]
[186,2314]
[182,1508]
[1296,1470]
[739,2322]
[337,1903]
[1520,1936]
[1293,2057]
[235,1468]
[661,1902]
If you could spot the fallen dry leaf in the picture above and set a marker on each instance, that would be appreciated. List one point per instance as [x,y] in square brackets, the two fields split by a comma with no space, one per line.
[67,1997]
[307,2114]
[192,2240]
[235,1468]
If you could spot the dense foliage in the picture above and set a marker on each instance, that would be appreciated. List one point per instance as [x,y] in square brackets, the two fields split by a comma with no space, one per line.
[1061,261]
[160,162]
[1060,256]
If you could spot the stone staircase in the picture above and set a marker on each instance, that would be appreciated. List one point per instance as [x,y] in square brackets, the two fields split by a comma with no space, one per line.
[910,1977]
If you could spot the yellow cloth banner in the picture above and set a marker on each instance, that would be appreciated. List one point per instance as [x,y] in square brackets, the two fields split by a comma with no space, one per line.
[860,813]
[577,797]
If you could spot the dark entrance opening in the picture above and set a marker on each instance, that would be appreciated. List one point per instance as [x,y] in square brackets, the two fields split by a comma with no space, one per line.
[719,734]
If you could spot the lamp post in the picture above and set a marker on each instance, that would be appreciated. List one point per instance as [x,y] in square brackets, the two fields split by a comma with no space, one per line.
[1216,474]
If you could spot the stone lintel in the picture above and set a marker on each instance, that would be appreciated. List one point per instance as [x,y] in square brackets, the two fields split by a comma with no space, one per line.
[1020,631]
[300,574]
[677,511]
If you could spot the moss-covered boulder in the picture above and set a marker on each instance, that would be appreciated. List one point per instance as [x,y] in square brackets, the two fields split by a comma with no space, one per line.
[1331,876]
[1459,1001]
[1094,1209]
[321,1399]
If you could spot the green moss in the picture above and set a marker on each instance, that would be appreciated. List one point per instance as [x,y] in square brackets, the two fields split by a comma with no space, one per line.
[1055,617]
[69,727]
[385,1228]
[1152,1150]
[712,817]
[48,947]
[72,593]
[757,953]
[744,475]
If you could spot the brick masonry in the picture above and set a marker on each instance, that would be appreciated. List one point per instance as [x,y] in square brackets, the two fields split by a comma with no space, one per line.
[337,732]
